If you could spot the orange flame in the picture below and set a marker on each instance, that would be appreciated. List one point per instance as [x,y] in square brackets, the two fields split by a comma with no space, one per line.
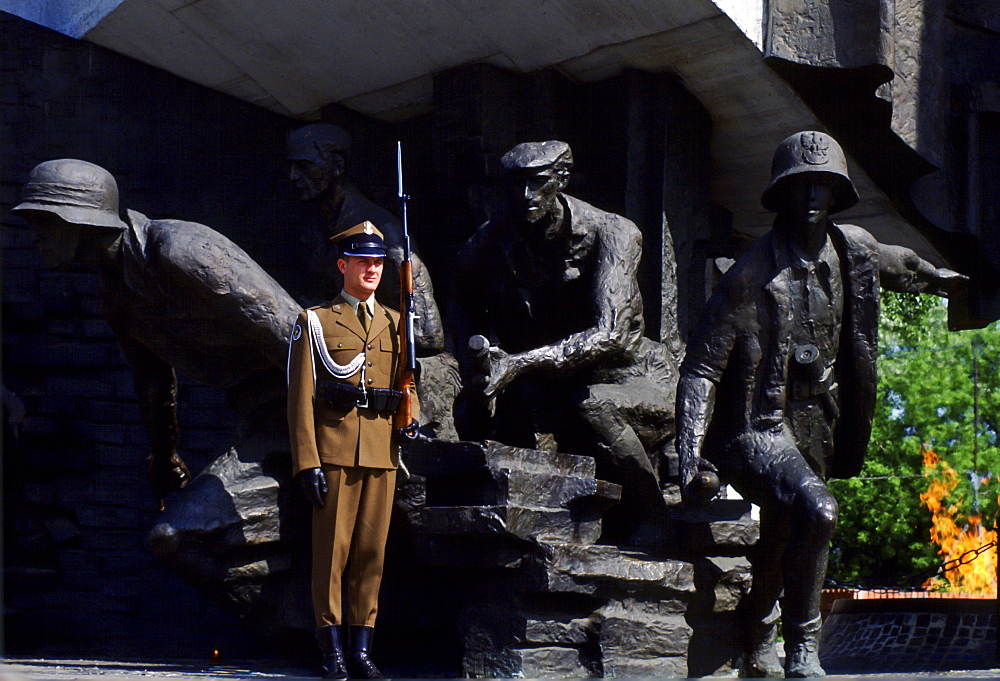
[979,574]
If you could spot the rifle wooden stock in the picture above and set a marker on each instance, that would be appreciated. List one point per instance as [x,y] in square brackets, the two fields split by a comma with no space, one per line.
[403,417]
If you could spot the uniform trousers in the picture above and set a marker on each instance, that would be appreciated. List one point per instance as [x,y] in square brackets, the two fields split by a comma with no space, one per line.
[353,521]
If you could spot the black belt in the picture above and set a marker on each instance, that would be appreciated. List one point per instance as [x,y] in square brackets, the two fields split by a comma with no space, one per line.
[339,395]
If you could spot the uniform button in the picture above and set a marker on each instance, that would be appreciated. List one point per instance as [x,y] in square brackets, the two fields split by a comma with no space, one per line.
[369,363]
[369,346]
[340,345]
[369,381]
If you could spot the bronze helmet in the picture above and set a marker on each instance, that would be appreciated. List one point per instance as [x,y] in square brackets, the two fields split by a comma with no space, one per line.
[79,192]
[809,152]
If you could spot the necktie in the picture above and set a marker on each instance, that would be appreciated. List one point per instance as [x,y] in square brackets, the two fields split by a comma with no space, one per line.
[363,315]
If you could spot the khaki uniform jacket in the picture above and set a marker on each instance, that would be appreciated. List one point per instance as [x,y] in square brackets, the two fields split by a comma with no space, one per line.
[354,437]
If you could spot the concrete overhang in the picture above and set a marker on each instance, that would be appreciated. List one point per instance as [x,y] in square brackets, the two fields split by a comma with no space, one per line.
[378,57]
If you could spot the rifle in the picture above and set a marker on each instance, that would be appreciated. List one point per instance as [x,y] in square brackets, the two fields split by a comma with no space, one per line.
[402,420]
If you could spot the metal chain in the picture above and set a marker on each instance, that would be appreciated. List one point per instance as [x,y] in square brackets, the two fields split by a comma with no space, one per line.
[952,564]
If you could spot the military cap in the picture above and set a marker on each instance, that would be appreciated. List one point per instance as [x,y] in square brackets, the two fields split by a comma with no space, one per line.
[324,136]
[537,155]
[79,192]
[809,152]
[361,240]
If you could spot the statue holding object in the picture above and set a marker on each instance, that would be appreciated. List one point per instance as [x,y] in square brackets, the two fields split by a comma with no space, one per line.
[554,280]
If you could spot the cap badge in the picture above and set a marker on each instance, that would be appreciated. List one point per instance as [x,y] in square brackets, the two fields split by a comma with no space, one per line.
[369,229]
[815,148]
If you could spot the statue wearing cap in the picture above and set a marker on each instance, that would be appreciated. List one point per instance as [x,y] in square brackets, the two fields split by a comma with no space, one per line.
[789,336]
[553,280]
[342,364]
[318,156]
[178,296]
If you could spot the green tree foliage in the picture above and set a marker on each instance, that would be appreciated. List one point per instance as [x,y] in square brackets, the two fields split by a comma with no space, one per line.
[926,399]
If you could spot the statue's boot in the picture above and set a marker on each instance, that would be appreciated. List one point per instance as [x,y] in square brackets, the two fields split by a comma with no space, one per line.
[760,655]
[334,666]
[802,650]
[359,663]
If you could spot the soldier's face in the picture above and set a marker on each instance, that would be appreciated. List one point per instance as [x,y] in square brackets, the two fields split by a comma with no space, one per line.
[810,196]
[57,239]
[362,274]
[536,191]
[312,171]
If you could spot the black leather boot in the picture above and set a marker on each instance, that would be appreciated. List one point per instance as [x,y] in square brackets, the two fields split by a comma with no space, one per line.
[328,639]
[359,664]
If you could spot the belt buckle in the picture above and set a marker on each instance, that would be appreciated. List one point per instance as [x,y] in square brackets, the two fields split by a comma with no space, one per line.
[365,395]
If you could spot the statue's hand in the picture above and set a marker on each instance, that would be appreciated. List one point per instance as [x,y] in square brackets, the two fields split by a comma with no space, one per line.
[699,482]
[166,476]
[500,374]
[314,486]
[492,367]
[945,282]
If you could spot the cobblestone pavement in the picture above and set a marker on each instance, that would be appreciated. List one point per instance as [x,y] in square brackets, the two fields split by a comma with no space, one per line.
[71,670]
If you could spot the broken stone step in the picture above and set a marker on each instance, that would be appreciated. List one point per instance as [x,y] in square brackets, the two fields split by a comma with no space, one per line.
[440,457]
[599,569]
[536,524]
[545,490]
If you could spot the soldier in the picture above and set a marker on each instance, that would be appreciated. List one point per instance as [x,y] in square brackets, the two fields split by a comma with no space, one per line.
[177,295]
[787,340]
[342,362]
[318,156]
[554,280]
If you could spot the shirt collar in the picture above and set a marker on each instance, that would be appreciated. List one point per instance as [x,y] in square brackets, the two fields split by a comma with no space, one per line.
[353,302]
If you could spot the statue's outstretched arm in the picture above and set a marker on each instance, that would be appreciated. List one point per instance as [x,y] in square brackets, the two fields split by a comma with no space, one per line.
[900,269]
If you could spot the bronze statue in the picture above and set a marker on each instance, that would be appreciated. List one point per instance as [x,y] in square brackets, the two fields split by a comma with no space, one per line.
[777,389]
[318,156]
[177,295]
[553,280]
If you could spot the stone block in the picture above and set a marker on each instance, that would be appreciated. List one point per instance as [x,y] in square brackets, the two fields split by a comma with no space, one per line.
[124,456]
[724,527]
[554,662]
[661,668]
[544,489]
[523,522]
[534,461]
[641,634]
[726,579]
[19,285]
[551,631]
[61,529]
[34,492]
[106,433]
[601,569]
[25,579]
[116,517]
[108,411]
[76,386]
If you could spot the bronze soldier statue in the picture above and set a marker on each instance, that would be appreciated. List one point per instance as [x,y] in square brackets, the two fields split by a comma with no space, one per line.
[777,388]
[553,280]
[318,156]
[177,295]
